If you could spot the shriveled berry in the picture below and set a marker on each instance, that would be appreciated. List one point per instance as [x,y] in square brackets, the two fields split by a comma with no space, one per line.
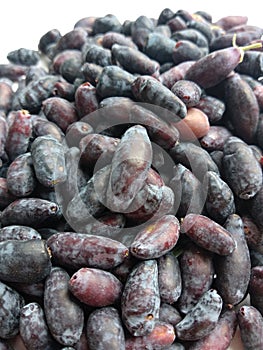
[23,56]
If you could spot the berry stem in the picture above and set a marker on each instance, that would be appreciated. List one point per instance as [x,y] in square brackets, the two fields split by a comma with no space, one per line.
[245,48]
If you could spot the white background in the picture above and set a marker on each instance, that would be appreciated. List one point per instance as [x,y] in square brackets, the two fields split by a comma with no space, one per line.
[23,22]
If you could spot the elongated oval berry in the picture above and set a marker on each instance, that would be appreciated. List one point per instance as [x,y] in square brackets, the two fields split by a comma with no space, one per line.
[75,180]
[105,330]
[202,318]
[65,90]
[25,261]
[208,234]
[18,232]
[232,282]
[64,316]
[160,132]
[219,202]
[21,179]
[130,164]
[228,22]
[186,50]
[50,168]
[33,328]
[36,91]
[169,278]
[149,90]
[134,61]
[98,55]
[242,170]
[34,212]
[197,273]
[86,99]
[220,62]
[169,77]
[19,133]
[95,287]
[191,34]
[140,301]
[11,304]
[91,72]
[114,81]
[161,337]
[159,46]
[74,39]
[117,110]
[60,58]
[60,111]
[23,56]
[250,323]
[77,250]
[157,238]
[242,107]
